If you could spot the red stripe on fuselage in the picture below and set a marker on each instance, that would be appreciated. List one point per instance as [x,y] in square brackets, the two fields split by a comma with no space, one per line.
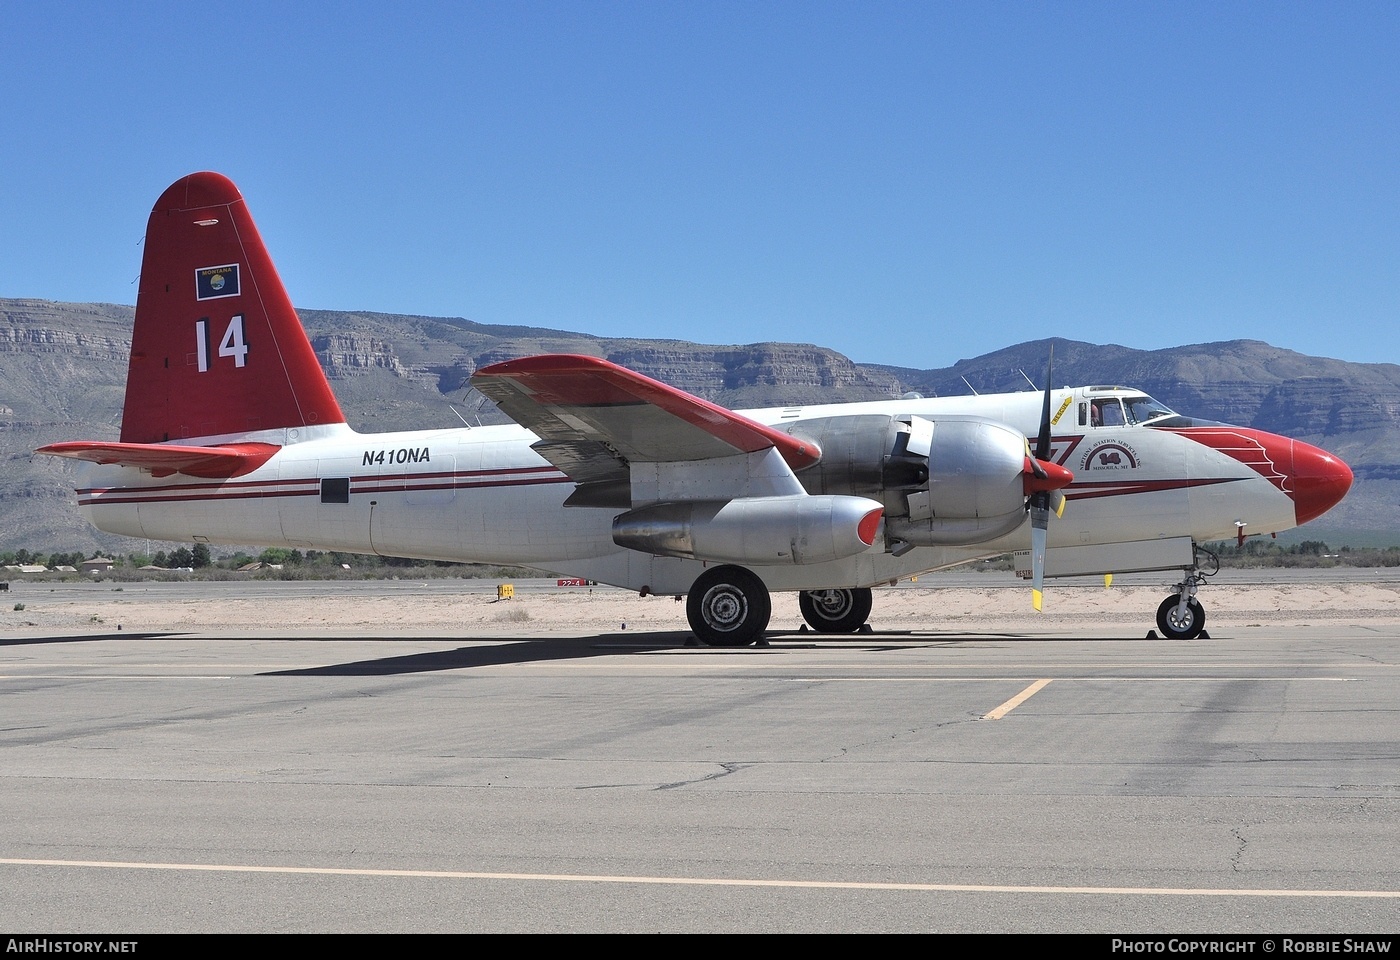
[1124,488]
[311,486]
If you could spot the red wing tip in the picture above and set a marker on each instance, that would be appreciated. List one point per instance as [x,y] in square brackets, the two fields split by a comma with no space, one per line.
[548,363]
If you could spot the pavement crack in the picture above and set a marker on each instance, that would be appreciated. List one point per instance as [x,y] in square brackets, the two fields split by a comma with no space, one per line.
[1236,865]
[725,769]
[846,752]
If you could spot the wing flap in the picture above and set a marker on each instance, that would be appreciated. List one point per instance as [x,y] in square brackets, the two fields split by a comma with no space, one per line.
[582,461]
[163,459]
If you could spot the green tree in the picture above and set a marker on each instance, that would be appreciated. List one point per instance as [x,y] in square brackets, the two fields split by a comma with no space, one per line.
[280,555]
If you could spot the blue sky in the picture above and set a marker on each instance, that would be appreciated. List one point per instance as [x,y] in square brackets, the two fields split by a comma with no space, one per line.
[907,183]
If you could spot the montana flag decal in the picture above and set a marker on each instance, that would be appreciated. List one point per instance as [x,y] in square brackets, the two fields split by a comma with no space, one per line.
[211,283]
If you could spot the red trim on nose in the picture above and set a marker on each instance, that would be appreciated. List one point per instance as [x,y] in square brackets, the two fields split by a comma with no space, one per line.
[1267,454]
[1314,479]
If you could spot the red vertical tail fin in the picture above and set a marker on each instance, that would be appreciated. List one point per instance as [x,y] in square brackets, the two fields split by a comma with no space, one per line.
[217,350]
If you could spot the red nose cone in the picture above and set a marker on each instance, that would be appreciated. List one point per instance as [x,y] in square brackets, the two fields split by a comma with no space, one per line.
[1055,477]
[1320,480]
[1313,478]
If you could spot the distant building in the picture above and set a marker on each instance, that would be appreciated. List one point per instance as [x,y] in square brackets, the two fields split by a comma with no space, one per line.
[97,565]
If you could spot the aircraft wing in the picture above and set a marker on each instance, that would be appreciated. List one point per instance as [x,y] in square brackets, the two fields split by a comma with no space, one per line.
[163,459]
[594,418]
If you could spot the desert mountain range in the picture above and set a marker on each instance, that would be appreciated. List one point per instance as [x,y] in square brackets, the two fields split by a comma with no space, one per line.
[63,372]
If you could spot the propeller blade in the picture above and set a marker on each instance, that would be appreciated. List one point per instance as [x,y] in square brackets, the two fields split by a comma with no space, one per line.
[1048,479]
[1042,442]
[1033,466]
[1040,520]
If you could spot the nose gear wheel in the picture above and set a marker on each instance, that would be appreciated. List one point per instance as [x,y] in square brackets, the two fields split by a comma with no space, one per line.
[1181,616]
[1177,623]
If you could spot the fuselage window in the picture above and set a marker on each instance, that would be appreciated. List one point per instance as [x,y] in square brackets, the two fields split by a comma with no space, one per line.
[335,490]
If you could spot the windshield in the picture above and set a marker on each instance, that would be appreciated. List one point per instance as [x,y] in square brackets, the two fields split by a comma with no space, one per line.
[1144,409]
[1136,410]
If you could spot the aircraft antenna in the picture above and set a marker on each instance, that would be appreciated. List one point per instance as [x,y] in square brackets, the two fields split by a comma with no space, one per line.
[971,387]
[480,405]
[1027,379]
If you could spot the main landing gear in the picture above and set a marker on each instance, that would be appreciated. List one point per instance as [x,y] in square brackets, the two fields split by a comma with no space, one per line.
[1181,616]
[729,606]
[835,611]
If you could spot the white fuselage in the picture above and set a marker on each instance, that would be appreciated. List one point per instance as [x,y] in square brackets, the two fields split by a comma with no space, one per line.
[483,495]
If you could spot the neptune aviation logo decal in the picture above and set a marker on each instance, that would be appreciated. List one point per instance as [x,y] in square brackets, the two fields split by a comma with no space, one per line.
[1110,455]
[212,283]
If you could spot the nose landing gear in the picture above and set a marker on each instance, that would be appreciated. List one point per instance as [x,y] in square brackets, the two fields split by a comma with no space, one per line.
[1181,616]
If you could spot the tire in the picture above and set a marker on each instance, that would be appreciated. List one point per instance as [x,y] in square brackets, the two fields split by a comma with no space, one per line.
[835,611]
[728,607]
[1189,627]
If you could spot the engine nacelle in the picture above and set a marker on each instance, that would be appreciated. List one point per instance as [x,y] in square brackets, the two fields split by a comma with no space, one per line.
[953,531]
[945,482]
[755,531]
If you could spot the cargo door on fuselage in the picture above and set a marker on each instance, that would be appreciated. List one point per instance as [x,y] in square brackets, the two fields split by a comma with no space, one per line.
[413,510]
[316,506]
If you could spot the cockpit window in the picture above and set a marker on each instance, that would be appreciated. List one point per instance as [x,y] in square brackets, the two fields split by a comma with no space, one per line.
[1140,409]
[1146,410]
[1107,412]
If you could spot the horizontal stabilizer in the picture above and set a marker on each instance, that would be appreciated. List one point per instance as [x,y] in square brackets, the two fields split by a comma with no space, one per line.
[163,459]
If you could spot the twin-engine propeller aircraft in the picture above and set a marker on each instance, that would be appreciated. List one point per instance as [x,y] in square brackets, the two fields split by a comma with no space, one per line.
[230,434]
